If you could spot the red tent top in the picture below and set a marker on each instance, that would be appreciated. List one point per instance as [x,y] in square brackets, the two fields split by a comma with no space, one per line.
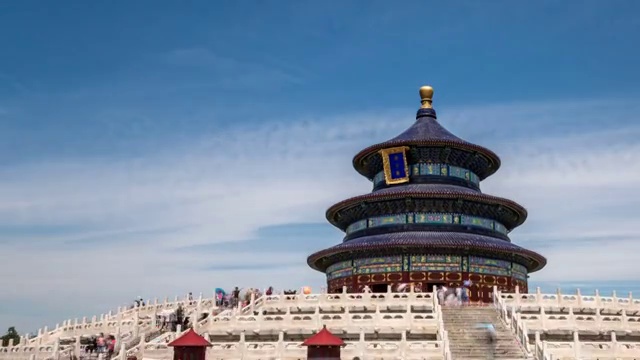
[323,338]
[190,338]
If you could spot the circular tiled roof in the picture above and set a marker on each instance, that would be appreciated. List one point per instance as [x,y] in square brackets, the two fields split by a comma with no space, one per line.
[427,131]
[426,241]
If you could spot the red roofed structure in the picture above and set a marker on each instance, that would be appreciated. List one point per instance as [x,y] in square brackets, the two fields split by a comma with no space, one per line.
[323,345]
[190,346]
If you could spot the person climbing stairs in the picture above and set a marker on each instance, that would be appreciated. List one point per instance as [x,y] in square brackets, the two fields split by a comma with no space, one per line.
[476,332]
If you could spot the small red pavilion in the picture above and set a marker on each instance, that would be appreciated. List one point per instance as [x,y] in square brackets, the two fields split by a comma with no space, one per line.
[190,346]
[323,345]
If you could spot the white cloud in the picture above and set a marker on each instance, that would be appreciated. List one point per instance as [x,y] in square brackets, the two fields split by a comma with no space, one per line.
[125,216]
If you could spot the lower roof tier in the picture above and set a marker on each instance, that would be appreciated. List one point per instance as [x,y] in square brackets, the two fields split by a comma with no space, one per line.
[427,242]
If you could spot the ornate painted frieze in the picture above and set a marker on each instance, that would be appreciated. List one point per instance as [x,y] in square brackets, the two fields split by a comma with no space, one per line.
[428,264]
[427,218]
[387,220]
[340,269]
[357,226]
[519,272]
[481,265]
[442,263]
[477,221]
[340,265]
[381,264]
[431,169]
[339,273]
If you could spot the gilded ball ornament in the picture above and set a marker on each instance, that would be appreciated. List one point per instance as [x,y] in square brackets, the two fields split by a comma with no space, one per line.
[426,92]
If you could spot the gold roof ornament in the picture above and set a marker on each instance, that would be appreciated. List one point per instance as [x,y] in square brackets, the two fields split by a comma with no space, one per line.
[426,96]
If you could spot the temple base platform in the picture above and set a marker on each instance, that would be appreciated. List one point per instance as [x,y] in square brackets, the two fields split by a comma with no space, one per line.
[480,290]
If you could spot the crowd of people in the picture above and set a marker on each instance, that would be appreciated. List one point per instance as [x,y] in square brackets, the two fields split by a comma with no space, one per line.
[454,296]
[101,345]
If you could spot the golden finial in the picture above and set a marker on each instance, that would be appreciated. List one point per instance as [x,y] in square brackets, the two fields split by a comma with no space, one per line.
[426,96]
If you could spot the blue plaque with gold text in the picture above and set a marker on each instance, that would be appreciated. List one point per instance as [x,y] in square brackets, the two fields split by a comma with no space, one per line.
[396,170]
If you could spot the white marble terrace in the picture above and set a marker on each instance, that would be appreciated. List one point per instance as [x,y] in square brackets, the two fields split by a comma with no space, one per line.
[384,326]
[573,326]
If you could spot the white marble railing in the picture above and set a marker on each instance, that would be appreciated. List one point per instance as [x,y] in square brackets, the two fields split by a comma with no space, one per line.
[443,335]
[402,349]
[589,317]
[194,307]
[346,299]
[40,352]
[167,337]
[109,322]
[589,350]
[576,300]
[517,327]
[315,321]
[580,322]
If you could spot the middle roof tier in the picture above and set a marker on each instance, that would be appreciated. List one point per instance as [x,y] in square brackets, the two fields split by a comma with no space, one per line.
[426,198]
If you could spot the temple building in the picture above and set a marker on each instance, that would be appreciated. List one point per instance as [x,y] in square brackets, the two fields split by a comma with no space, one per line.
[426,221]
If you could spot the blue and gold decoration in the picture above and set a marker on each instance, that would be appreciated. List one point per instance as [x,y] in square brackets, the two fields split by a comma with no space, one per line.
[396,169]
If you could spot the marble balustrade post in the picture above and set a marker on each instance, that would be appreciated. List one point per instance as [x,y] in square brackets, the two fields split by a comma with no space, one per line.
[118,334]
[77,349]
[361,344]
[56,349]
[280,346]
[136,323]
[579,296]
[123,352]
[142,344]
[243,345]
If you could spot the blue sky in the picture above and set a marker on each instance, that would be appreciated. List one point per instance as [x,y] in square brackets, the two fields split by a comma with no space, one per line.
[168,147]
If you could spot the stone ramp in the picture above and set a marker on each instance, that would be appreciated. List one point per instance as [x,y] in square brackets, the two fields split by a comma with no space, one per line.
[467,342]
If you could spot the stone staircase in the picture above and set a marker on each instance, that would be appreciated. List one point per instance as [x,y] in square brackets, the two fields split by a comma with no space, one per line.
[468,342]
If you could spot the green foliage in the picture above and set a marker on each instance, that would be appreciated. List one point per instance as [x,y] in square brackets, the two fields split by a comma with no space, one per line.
[11,334]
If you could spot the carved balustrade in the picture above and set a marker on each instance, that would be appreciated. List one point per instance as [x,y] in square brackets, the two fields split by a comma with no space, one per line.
[577,300]
[402,349]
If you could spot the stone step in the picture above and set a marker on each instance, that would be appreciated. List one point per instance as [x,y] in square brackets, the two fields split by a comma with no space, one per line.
[469,342]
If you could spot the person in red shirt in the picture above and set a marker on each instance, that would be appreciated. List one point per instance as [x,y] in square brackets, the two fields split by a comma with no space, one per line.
[111,345]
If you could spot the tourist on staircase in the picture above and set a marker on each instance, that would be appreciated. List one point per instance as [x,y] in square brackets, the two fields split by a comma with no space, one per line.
[235,297]
[492,338]
[111,345]
[464,292]
[101,342]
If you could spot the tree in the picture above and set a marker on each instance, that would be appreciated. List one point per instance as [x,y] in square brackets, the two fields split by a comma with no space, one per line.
[11,334]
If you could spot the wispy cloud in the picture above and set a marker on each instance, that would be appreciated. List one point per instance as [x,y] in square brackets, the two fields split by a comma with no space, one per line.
[229,71]
[163,223]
